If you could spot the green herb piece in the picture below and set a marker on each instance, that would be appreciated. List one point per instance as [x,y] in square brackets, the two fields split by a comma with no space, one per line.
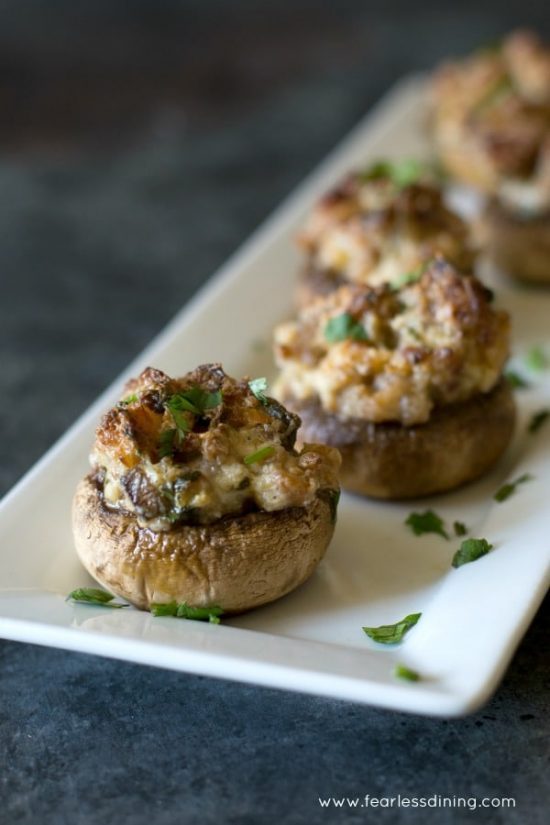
[402,173]
[343,327]
[471,550]
[332,497]
[182,424]
[390,634]
[516,381]
[130,399]
[427,522]
[538,420]
[93,595]
[404,672]
[414,333]
[195,400]
[258,387]
[167,442]
[178,407]
[178,514]
[536,359]
[509,488]
[460,528]
[184,611]
[407,171]
[259,455]
[407,278]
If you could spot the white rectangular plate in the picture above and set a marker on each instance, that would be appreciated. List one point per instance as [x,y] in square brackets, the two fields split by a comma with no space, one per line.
[375,572]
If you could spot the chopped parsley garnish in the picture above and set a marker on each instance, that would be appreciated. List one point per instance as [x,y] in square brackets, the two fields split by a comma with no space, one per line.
[402,173]
[391,634]
[184,611]
[471,550]
[180,419]
[93,595]
[259,455]
[509,488]
[130,399]
[427,522]
[195,400]
[460,528]
[343,327]
[407,278]
[258,387]
[536,359]
[414,333]
[404,672]
[538,419]
[515,380]
[167,442]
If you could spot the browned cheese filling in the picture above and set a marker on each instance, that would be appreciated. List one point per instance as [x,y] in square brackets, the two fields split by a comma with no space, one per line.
[495,106]
[371,228]
[393,355]
[194,449]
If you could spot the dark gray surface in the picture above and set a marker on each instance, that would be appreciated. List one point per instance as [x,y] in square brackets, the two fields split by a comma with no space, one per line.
[140,144]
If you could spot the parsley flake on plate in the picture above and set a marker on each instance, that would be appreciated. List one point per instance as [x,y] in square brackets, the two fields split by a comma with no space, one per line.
[509,488]
[536,359]
[516,381]
[343,327]
[539,418]
[404,672]
[184,611]
[391,634]
[93,595]
[460,528]
[471,550]
[427,522]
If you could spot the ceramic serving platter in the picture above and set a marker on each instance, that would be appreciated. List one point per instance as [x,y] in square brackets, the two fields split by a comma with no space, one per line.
[375,572]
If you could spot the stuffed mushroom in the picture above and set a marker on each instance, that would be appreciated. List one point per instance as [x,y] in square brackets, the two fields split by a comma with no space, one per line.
[406,384]
[492,131]
[380,226]
[198,495]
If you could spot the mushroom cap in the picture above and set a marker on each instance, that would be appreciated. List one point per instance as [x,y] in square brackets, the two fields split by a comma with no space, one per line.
[520,247]
[459,443]
[236,563]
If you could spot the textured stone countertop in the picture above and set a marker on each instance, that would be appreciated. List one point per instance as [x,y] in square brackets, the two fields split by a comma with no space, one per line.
[140,144]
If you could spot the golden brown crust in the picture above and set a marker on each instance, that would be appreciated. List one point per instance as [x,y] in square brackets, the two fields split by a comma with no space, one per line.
[519,246]
[370,230]
[389,461]
[193,449]
[385,355]
[491,113]
[236,563]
